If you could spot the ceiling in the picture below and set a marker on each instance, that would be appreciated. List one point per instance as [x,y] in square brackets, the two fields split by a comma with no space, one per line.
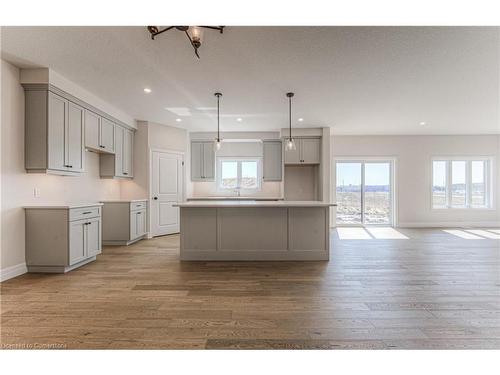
[357,80]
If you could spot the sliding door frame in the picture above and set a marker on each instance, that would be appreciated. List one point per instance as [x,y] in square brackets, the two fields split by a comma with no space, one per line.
[393,188]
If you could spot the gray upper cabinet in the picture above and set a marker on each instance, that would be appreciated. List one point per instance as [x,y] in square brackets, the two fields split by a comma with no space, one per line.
[310,148]
[92,125]
[128,152]
[273,165]
[99,133]
[202,161]
[107,135]
[54,134]
[308,151]
[119,164]
[75,138]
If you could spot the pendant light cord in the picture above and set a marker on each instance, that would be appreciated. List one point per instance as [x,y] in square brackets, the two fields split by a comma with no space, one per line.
[289,96]
[218,95]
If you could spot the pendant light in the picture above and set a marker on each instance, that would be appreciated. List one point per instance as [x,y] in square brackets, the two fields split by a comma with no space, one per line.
[290,143]
[217,143]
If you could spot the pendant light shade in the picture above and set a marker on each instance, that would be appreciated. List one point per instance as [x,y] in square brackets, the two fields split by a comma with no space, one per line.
[290,145]
[290,142]
[218,142]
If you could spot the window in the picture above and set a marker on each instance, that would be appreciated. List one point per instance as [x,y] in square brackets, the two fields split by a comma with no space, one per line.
[461,183]
[364,190]
[238,174]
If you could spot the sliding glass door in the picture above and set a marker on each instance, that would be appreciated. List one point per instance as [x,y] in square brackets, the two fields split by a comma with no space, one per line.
[364,192]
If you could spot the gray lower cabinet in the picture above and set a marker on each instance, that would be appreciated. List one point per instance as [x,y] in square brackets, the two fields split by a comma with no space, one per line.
[124,221]
[273,164]
[202,161]
[308,151]
[54,134]
[99,133]
[61,238]
[119,164]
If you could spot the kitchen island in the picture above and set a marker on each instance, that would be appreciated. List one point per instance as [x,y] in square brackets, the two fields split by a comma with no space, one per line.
[254,230]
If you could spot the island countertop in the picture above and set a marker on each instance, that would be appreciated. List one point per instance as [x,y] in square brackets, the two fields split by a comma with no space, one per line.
[252,203]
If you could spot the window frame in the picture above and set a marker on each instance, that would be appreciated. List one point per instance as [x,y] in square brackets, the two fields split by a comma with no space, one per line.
[239,160]
[489,178]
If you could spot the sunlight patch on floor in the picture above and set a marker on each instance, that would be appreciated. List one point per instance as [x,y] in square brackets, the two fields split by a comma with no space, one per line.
[386,233]
[370,233]
[462,234]
[484,233]
[353,234]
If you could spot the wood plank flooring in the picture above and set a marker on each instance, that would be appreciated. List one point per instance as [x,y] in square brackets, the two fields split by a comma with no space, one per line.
[431,291]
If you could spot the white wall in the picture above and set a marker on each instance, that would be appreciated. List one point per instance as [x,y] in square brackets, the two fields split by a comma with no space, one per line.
[413,173]
[17,185]
[273,189]
[45,75]
[150,136]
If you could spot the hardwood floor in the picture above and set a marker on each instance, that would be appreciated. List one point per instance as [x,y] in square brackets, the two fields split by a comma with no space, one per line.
[432,291]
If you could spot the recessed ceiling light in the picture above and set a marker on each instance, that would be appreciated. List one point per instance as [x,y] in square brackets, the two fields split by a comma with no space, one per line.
[178,120]
[239,119]
[300,119]
[147,91]
[423,123]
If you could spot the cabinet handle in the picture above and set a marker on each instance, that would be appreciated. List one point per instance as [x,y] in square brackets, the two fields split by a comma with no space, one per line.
[139,213]
[86,212]
[68,166]
[155,198]
[101,146]
[125,173]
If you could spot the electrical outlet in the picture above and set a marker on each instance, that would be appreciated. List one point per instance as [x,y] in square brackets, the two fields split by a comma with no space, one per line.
[36,192]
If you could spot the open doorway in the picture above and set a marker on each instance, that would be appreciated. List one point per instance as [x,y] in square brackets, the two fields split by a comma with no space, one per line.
[365,192]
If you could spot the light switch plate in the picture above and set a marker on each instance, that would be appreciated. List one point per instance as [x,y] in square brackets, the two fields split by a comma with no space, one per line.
[36,192]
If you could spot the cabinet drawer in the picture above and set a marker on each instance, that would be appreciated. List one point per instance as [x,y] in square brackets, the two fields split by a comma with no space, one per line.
[134,206]
[84,213]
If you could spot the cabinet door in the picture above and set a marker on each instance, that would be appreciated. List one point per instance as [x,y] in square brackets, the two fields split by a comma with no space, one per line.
[141,223]
[208,161]
[92,130]
[133,225]
[77,241]
[107,135]
[272,170]
[119,138]
[196,161]
[93,240]
[128,147]
[310,150]
[74,138]
[56,130]
[293,156]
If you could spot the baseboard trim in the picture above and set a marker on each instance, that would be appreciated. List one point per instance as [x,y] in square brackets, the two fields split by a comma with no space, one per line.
[13,271]
[450,224]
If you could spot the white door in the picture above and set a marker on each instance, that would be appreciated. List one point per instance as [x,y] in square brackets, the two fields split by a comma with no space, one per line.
[166,189]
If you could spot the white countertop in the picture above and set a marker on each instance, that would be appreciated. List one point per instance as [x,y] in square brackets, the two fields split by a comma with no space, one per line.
[62,205]
[246,203]
[124,200]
